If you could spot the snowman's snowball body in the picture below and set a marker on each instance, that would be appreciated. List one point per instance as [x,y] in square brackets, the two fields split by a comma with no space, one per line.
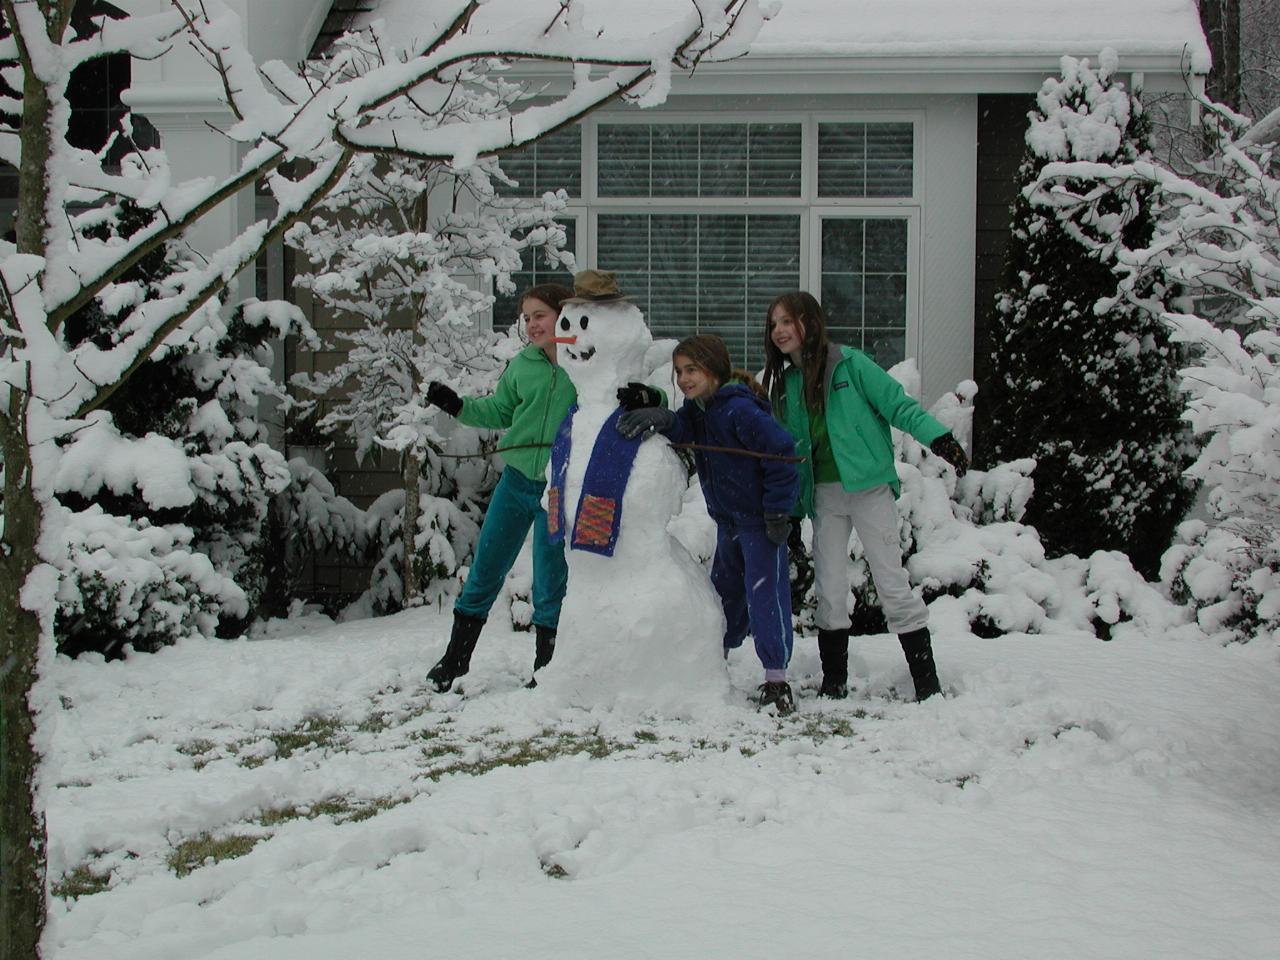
[640,630]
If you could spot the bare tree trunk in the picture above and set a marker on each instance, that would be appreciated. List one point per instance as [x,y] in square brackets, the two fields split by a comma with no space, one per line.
[23,840]
[410,472]
[22,828]
[1221,22]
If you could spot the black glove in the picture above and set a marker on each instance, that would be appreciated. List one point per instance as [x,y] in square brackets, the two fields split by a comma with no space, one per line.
[635,396]
[444,398]
[777,527]
[950,450]
[646,420]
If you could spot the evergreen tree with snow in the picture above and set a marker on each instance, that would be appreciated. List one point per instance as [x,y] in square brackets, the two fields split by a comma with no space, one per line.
[159,564]
[1219,235]
[1082,382]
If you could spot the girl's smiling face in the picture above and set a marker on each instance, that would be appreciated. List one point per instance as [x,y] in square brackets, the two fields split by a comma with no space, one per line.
[694,381]
[786,332]
[539,321]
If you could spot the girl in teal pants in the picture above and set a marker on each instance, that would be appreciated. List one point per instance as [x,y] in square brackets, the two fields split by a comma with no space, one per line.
[532,397]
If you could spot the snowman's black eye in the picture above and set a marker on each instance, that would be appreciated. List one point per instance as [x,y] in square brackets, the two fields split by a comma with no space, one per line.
[582,321]
[564,323]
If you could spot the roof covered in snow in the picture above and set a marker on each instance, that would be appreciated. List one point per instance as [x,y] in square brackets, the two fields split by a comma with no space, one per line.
[1147,34]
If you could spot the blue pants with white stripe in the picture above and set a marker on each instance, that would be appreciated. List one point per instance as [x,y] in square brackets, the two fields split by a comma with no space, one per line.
[751,576]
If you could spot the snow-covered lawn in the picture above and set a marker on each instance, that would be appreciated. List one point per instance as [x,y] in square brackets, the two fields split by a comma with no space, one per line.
[1069,798]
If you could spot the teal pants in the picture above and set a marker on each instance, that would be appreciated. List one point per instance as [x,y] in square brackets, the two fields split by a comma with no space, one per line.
[515,506]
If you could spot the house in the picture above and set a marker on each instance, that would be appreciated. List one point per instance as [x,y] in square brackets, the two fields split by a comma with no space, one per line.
[863,150]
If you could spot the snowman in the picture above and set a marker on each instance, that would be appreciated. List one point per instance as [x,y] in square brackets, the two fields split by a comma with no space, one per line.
[641,628]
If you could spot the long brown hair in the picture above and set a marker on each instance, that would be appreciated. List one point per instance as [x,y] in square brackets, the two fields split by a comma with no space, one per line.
[807,312]
[708,351]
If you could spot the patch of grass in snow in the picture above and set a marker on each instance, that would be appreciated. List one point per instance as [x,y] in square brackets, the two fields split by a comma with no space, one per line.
[548,745]
[207,849]
[313,732]
[375,722]
[80,882]
[198,750]
[340,809]
[821,727]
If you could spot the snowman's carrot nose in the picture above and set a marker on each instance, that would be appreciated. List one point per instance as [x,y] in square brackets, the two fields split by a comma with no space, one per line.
[564,339]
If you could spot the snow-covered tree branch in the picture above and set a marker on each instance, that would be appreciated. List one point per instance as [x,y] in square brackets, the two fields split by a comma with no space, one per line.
[1219,240]
[299,131]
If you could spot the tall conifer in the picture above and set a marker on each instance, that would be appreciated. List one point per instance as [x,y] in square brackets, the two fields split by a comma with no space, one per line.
[1082,381]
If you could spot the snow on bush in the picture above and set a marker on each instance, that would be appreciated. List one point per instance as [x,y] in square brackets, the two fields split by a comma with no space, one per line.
[1219,239]
[981,570]
[1083,383]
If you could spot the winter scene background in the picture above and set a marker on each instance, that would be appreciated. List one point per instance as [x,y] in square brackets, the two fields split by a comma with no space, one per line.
[202,759]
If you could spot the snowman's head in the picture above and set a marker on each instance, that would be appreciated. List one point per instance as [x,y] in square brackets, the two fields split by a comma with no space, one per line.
[602,346]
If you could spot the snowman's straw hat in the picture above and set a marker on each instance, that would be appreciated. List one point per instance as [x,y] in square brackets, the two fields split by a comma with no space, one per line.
[596,286]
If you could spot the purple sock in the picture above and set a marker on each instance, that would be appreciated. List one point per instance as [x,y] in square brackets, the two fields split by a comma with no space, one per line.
[775,676]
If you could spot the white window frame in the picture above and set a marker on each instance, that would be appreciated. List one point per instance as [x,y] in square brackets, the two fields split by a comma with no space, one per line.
[912,214]
[913,117]
[808,206]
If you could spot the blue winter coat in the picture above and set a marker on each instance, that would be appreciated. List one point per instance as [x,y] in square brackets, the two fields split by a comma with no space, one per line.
[739,487]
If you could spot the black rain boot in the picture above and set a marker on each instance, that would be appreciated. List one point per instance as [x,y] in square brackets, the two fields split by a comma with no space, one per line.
[457,656]
[919,653]
[544,648]
[833,651]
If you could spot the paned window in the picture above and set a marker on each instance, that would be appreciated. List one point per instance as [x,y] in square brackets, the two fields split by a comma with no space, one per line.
[865,159]
[699,159]
[550,164]
[864,284]
[704,272]
[706,220]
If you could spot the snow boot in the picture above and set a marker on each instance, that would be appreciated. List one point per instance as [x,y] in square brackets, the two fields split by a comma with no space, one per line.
[778,694]
[919,652]
[833,651]
[544,648]
[457,656]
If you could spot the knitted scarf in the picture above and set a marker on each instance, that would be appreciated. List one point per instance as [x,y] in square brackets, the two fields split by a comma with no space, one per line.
[599,516]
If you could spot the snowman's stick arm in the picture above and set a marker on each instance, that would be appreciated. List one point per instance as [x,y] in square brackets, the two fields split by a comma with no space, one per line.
[738,451]
[467,456]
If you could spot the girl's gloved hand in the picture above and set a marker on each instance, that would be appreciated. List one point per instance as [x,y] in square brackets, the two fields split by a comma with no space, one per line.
[777,527]
[645,421]
[444,398]
[635,396]
[949,449]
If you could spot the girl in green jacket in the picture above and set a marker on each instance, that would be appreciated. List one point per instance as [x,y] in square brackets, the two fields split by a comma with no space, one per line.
[532,397]
[838,404]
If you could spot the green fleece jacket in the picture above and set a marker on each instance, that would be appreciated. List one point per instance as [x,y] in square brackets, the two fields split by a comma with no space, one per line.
[862,403]
[532,397]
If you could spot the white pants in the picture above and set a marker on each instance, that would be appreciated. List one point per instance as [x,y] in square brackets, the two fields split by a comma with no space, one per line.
[873,514]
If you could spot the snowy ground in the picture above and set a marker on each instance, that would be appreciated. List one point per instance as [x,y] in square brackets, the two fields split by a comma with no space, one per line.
[1069,798]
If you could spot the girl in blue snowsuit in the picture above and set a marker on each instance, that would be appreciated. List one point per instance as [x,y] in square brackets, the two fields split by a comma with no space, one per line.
[750,498]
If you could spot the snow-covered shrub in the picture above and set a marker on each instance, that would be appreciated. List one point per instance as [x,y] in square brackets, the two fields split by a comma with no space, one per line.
[127,581]
[978,567]
[1084,383]
[177,460]
[1219,240]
